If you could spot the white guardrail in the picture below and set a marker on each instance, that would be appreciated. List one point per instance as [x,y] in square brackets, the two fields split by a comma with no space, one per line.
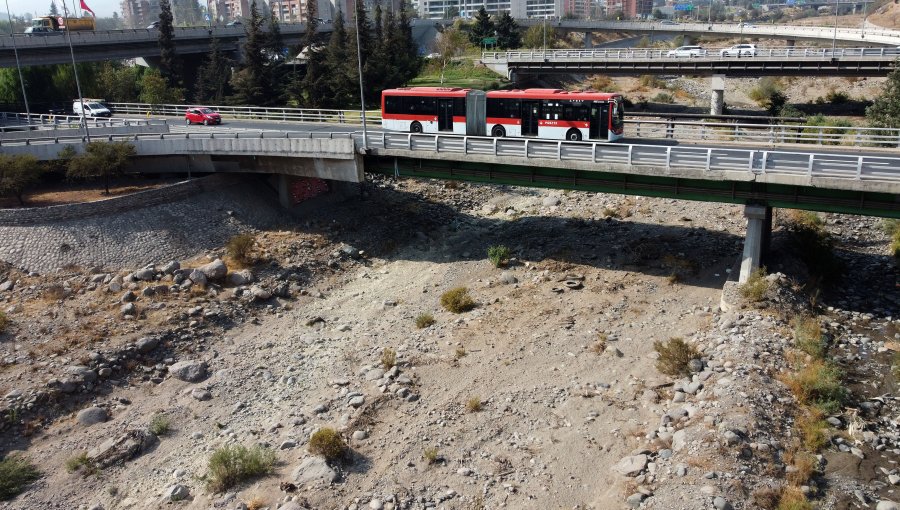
[726,132]
[758,162]
[665,158]
[11,121]
[708,53]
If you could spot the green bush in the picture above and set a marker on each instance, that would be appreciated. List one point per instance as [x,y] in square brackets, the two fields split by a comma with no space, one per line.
[674,356]
[818,384]
[240,248]
[423,320]
[830,129]
[664,98]
[328,443]
[756,286]
[457,300]
[498,255]
[160,425]
[768,94]
[81,463]
[651,81]
[837,96]
[808,336]
[233,464]
[15,474]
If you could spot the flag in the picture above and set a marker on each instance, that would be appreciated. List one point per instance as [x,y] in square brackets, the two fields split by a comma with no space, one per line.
[84,7]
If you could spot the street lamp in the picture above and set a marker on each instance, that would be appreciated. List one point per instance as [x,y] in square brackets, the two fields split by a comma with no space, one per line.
[12,35]
[362,97]
[84,123]
[834,39]
[865,17]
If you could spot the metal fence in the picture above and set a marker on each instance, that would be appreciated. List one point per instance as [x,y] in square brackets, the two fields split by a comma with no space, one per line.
[668,158]
[12,121]
[254,113]
[637,53]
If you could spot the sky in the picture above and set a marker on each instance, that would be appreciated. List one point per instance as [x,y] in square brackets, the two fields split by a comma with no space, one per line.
[103,8]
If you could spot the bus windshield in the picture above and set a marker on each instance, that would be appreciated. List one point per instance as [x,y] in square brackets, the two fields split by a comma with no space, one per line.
[618,114]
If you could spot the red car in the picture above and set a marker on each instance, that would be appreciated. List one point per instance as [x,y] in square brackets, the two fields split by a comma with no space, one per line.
[201,115]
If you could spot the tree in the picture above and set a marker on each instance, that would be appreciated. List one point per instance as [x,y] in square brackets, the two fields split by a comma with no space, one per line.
[18,173]
[251,81]
[214,77]
[169,63]
[450,43]
[101,159]
[155,90]
[119,83]
[483,27]
[53,10]
[534,37]
[365,51]
[885,111]
[508,35]
[403,50]
[337,62]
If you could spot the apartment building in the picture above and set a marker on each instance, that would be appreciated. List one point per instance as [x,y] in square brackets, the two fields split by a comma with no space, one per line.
[436,9]
[226,10]
[139,13]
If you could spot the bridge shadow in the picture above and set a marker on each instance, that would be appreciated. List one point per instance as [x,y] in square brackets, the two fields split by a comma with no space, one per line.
[395,221]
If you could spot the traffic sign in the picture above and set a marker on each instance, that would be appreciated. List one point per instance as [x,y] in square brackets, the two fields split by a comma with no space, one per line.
[684,7]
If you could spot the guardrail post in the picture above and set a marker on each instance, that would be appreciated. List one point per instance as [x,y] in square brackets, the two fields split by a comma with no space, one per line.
[465,145]
[495,146]
[668,159]
[383,140]
[409,141]
[559,150]
[859,165]
[594,152]
[526,148]
[812,160]
[437,143]
[708,159]
[764,161]
[630,154]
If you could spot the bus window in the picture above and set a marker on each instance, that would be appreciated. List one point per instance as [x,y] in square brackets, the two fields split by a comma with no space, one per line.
[618,115]
[392,104]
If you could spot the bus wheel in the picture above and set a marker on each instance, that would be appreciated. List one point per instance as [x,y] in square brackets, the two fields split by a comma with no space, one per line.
[573,135]
[498,132]
[415,127]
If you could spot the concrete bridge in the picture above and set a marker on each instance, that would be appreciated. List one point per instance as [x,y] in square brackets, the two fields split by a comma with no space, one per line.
[846,181]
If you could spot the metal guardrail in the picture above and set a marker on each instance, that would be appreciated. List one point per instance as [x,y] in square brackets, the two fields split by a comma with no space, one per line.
[756,162]
[707,53]
[253,113]
[20,121]
[666,158]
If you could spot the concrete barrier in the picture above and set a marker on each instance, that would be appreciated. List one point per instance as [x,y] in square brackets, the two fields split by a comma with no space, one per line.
[62,132]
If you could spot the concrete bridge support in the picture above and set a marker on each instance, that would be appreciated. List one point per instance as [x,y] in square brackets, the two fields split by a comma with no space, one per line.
[756,242]
[790,43]
[588,40]
[717,101]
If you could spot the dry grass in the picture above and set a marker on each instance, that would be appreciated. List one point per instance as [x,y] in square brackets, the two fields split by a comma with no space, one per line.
[328,443]
[54,292]
[804,466]
[473,405]
[812,430]
[240,248]
[388,358]
[599,347]
[600,83]
[767,498]
[431,455]
[81,464]
[4,322]
[423,320]
[817,384]
[756,286]
[808,336]
[233,464]
[674,356]
[257,503]
[460,352]
[793,499]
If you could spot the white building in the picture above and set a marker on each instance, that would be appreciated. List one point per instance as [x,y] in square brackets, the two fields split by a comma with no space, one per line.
[437,9]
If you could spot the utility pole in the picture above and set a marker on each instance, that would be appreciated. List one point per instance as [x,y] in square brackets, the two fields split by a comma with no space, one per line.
[362,97]
[12,36]
[87,133]
[834,39]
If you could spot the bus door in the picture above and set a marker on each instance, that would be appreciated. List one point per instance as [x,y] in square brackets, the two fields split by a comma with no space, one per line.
[531,114]
[445,114]
[599,128]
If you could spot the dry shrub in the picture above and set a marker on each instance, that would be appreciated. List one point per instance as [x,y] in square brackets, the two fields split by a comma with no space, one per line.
[15,475]
[817,384]
[803,464]
[793,499]
[4,322]
[328,443]
[457,300]
[812,430]
[423,320]
[240,248]
[808,336]
[430,455]
[233,464]
[55,292]
[388,358]
[473,405]
[756,286]
[767,498]
[674,356]
[600,83]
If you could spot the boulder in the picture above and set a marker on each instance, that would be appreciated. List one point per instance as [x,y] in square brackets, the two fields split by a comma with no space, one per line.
[115,285]
[146,274]
[215,270]
[631,466]
[120,449]
[7,285]
[887,505]
[176,492]
[171,267]
[83,373]
[679,440]
[189,371]
[314,470]
[259,293]
[239,278]
[197,277]
[128,309]
[92,416]
[146,344]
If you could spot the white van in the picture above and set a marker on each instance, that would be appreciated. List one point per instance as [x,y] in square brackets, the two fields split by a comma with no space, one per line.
[92,108]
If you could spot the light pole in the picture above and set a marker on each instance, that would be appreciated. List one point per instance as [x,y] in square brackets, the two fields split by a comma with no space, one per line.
[545,35]
[362,97]
[12,35]
[709,21]
[741,21]
[87,133]
[834,39]
[865,16]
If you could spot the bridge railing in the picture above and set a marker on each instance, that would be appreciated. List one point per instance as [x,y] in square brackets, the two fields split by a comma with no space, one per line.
[669,158]
[253,113]
[646,53]
[11,121]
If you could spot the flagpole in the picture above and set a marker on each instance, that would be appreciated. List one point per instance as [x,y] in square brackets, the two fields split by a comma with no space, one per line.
[12,35]
[84,122]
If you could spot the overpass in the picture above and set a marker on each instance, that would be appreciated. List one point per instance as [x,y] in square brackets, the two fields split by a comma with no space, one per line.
[843,182]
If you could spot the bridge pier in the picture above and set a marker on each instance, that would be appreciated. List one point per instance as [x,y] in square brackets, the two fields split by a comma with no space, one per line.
[588,40]
[717,100]
[756,242]
[790,43]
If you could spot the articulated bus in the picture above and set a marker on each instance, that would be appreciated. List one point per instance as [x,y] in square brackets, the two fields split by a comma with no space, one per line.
[541,113]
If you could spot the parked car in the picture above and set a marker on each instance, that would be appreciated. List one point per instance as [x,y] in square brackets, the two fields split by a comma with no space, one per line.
[234,23]
[92,108]
[153,25]
[687,51]
[739,50]
[201,115]
[668,22]
[36,31]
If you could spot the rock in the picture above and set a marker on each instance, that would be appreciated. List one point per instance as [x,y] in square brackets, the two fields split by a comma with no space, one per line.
[239,278]
[292,505]
[634,501]
[359,435]
[550,201]
[7,285]
[215,270]
[201,394]
[189,371]
[146,344]
[833,421]
[374,374]
[721,504]
[678,397]
[197,277]
[859,453]
[464,471]
[125,447]
[314,470]
[357,401]
[287,444]
[128,297]
[82,372]
[508,278]
[631,466]
[259,293]
[92,416]
[176,492]
[894,479]
[145,275]
[128,309]
[886,505]
[115,285]
[350,251]
[695,365]
[679,440]
[171,267]
[731,438]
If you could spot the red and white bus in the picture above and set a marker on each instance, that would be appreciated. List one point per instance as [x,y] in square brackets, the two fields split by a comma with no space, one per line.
[433,110]
[555,114]
[541,113]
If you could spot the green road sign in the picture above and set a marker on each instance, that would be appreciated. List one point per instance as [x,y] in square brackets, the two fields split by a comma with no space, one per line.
[489,40]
